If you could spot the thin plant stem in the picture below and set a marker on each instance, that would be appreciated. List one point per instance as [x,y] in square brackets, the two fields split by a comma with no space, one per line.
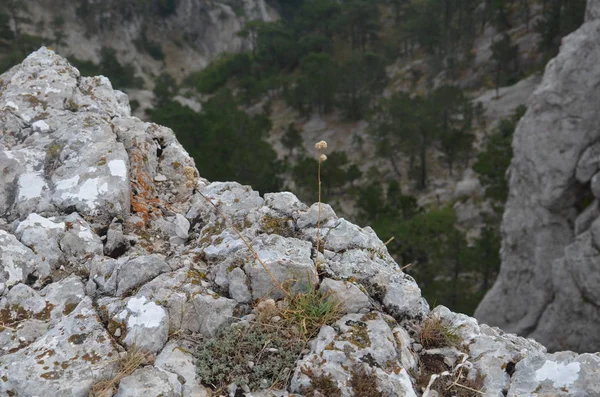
[319,213]
[247,244]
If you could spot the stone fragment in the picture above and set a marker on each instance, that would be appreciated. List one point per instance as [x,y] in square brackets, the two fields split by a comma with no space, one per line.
[146,323]
[116,242]
[350,297]
[150,382]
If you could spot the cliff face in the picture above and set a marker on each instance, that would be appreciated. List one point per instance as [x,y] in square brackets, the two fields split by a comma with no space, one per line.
[550,274]
[190,33]
[111,244]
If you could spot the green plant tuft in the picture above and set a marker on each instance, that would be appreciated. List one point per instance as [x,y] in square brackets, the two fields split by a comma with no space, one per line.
[259,356]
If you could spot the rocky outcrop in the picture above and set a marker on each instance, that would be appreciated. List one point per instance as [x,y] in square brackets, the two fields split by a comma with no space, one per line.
[190,33]
[112,246]
[548,282]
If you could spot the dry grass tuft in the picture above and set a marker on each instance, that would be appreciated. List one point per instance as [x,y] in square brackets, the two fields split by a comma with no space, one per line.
[311,310]
[435,333]
[128,364]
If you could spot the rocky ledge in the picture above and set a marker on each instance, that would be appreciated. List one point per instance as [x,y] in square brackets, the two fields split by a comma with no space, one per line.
[111,244]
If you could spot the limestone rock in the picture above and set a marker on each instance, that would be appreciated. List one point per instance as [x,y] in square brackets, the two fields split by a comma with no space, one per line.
[65,361]
[287,260]
[98,256]
[178,360]
[208,313]
[351,298]
[138,271]
[150,382]
[146,324]
[16,259]
[363,343]
[572,374]
[555,152]
[116,242]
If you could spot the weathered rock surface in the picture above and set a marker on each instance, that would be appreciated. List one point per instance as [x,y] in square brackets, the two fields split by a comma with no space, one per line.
[109,246]
[549,261]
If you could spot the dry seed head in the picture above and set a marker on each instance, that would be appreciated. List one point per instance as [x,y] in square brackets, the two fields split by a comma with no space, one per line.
[190,174]
[322,158]
[322,145]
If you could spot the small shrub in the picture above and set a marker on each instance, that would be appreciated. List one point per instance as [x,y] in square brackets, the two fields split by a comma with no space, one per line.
[320,385]
[364,383]
[260,356]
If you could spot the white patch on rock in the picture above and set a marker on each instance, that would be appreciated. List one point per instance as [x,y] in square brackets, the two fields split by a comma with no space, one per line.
[86,234]
[143,313]
[11,104]
[52,90]
[562,375]
[30,186]
[118,168]
[89,192]
[67,183]
[41,126]
[35,219]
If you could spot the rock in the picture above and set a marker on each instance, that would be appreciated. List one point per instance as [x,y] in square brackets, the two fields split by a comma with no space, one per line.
[351,298]
[572,374]
[151,382]
[588,164]
[285,204]
[42,236]
[79,241]
[345,236]
[16,260]
[383,280]
[24,302]
[138,271]
[58,241]
[65,361]
[287,260]
[310,217]
[182,226]
[468,187]
[63,296]
[208,313]
[364,344]
[238,286]
[178,360]
[490,351]
[586,218]
[174,291]
[554,142]
[160,277]
[238,203]
[103,273]
[595,185]
[147,324]
[116,242]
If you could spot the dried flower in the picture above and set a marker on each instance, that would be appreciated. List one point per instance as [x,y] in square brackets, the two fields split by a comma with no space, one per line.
[321,145]
[322,158]
[190,174]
